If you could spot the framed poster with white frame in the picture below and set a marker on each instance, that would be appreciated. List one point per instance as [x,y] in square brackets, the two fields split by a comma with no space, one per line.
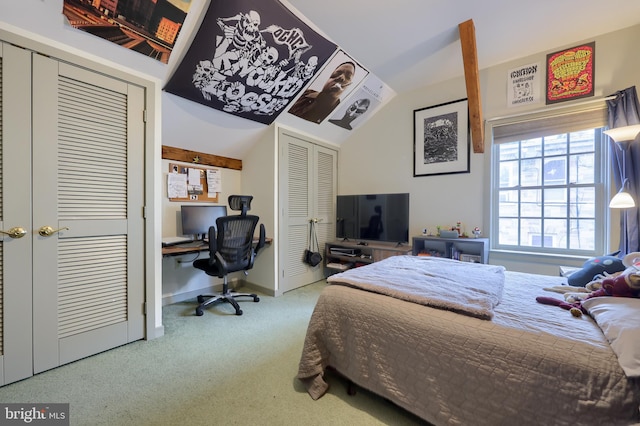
[441,139]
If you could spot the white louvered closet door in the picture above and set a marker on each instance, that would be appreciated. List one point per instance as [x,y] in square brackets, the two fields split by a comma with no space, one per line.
[15,209]
[88,182]
[307,188]
[73,178]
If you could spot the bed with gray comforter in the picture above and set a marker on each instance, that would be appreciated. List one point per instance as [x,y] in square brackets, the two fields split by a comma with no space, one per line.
[505,360]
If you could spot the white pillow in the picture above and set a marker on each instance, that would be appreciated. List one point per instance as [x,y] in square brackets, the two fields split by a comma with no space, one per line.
[619,320]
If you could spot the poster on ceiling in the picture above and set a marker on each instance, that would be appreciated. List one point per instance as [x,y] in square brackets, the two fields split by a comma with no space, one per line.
[360,106]
[149,28]
[249,59]
[335,82]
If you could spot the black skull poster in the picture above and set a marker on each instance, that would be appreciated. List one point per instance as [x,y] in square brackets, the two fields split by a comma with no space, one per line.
[249,59]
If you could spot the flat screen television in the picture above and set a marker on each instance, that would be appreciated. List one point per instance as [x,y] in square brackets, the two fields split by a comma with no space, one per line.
[373,217]
[196,220]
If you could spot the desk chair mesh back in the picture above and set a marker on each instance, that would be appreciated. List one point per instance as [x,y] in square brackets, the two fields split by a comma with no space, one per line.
[231,249]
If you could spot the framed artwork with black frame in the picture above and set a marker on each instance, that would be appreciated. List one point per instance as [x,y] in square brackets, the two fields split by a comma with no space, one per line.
[441,139]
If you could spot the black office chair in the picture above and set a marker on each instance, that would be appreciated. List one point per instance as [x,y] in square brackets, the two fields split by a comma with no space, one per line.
[231,249]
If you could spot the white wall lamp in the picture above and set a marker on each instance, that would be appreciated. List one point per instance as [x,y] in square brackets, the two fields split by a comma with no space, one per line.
[621,136]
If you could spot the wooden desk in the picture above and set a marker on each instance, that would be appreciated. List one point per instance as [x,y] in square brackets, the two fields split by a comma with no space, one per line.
[188,248]
[179,249]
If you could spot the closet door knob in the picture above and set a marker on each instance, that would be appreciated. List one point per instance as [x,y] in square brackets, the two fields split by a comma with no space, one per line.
[47,231]
[16,232]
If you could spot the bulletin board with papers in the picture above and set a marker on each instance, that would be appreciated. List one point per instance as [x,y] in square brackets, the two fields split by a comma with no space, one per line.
[188,183]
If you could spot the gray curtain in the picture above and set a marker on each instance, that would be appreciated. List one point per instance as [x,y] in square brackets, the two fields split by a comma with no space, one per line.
[624,110]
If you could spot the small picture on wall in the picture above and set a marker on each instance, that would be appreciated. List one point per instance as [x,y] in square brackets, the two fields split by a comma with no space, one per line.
[441,139]
[523,85]
[571,73]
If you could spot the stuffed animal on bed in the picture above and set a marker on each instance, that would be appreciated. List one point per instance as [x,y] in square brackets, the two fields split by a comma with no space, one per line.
[575,308]
[626,284]
[601,265]
[576,294]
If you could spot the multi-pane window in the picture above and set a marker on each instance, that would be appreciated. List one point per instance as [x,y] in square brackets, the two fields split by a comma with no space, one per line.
[547,192]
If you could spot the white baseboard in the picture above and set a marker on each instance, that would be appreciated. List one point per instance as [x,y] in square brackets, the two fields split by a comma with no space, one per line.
[189,295]
[234,285]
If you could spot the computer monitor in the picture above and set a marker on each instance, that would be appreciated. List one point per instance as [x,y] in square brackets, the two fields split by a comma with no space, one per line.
[196,220]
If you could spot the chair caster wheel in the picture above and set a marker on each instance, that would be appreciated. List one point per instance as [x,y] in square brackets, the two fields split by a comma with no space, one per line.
[239,312]
[256,299]
[200,299]
[199,312]
[351,389]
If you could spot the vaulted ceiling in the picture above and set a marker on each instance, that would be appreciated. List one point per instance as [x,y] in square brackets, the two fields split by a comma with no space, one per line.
[414,43]
[410,44]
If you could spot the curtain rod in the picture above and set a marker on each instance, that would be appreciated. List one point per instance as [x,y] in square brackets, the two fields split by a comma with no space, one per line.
[590,101]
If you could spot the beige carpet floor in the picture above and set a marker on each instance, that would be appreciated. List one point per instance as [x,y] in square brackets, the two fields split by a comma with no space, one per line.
[218,369]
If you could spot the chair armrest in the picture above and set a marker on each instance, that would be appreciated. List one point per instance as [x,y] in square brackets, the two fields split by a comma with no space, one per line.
[213,245]
[261,239]
[222,265]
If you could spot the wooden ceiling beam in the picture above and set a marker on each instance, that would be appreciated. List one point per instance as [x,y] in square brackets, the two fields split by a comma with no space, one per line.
[201,158]
[472,80]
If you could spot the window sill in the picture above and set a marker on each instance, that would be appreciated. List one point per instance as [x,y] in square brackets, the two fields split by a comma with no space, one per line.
[535,263]
[547,257]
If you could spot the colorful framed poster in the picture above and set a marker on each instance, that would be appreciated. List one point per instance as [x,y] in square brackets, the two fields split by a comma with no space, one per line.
[441,139]
[571,73]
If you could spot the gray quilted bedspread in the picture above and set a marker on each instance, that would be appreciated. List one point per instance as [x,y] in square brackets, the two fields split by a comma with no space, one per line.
[468,288]
[531,364]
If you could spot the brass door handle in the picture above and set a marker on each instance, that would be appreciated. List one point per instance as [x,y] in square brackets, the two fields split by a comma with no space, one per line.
[47,231]
[15,232]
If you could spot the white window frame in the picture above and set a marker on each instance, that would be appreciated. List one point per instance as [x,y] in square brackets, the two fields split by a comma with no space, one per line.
[551,122]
